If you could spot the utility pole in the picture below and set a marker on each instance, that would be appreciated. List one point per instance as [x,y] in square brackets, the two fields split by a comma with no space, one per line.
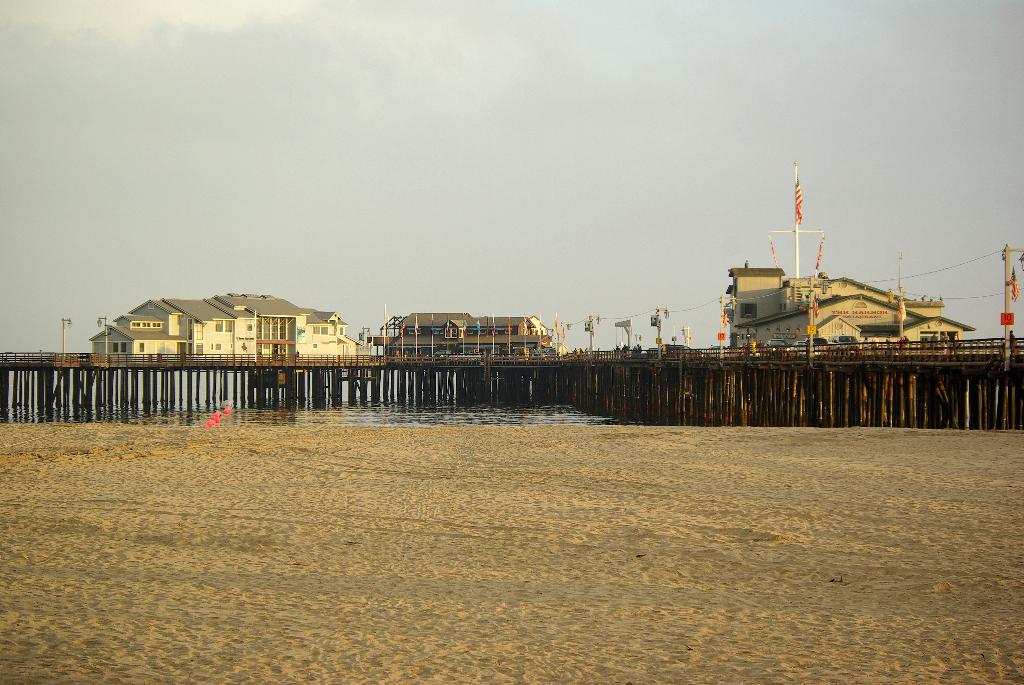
[588,326]
[1006,319]
[64,325]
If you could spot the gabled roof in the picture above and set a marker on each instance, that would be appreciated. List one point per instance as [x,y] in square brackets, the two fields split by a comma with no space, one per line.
[201,310]
[317,316]
[159,303]
[859,284]
[465,320]
[827,302]
[138,317]
[928,319]
[264,305]
[113,331]
[138,334]
[485,321]
[436,317]
[829,319]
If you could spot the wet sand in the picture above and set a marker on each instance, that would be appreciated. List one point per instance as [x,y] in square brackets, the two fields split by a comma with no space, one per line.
[506,554]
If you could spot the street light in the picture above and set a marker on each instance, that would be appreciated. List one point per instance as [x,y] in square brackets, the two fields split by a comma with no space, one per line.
[64,325]
[102,321]
[365,338]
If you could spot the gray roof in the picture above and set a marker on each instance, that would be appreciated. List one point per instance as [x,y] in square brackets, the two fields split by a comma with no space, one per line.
[264,305]
[437,317]
[201,310]
[138,334]
[317,316]
[942,319]
[139,317]
[464,319]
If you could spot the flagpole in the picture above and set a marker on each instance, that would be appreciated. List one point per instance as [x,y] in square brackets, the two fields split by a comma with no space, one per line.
[796,227]
[1007,352]
[899,284]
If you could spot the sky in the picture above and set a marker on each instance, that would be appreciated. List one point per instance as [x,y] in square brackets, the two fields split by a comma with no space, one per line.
[519,157]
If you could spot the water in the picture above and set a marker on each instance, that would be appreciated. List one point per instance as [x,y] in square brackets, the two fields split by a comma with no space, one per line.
[358,415]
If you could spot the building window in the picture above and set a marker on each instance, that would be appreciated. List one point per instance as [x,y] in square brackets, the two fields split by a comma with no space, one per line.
[142,347]
[219,326]
[748,310]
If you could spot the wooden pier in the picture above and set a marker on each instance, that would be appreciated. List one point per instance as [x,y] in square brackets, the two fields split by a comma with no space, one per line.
[962,385]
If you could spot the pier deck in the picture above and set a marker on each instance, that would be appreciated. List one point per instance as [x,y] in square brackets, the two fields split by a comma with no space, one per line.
[961,384]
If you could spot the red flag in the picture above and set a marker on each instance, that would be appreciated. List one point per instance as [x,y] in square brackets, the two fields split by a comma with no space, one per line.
[821,249]
[799,202]
[775,260]
[815,308]
[1014,285]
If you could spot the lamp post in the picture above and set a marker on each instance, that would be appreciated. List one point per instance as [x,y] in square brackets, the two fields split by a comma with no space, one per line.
[102,321]
[64,325]
[592,321]
[656,321]
[366,338]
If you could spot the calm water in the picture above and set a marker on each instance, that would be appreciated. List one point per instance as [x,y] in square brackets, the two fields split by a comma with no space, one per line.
[359,415]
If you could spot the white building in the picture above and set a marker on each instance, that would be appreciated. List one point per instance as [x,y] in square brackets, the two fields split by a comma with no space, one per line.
[232,324]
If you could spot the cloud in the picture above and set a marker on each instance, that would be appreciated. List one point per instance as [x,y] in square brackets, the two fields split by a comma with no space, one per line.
[132,20]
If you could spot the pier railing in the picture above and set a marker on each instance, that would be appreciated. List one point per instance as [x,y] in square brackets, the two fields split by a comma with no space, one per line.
[938,353]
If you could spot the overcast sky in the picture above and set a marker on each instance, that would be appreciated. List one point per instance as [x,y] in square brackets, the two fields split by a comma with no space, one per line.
[498,157]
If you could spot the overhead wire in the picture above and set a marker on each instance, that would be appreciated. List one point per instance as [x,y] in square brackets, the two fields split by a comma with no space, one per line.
[877,280]
[934,271]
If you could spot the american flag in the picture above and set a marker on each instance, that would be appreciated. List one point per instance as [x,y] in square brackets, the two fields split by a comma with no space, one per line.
[815,308]
[1014,285]
[799,202]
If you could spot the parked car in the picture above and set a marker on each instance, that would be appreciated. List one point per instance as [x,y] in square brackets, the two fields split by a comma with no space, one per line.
[843,340]
[777,342]
[802,344]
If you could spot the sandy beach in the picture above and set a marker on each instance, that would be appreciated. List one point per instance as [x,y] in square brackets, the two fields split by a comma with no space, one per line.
[597,554]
